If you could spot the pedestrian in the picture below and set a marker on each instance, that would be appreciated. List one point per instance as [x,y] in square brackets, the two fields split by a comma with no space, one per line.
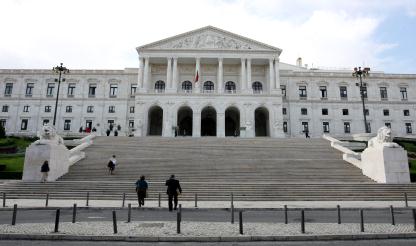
[307,133]
[115,133]
[44,169]
[112,164]
[174,189]
[141,189]
[108,132]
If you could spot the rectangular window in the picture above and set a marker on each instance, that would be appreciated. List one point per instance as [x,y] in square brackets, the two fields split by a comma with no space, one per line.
[90,109]
[284,111]
[68,109]
[133,89]
[305,127]
[113,90]
[367,112]
[45,121]
[8,89]
[29,89]
[386,112]
[283,89]
[5,108]
[111,109]
[49,89]
[304,111]
[388,124]
[347,127]
[26,108]
[71,90]
[132,109]
[67,125]
[324,111]
[345,111]
[406,112]
[369,127]
[23,125]
[403,93]
[110,124]
[325,126]
[91,90]
[383,93]
[408,128]
[364,91]
[343,92]
[323,92]
[48,109]
[131,123]
[302,92]
[3,123]
[88,125]
[284,126]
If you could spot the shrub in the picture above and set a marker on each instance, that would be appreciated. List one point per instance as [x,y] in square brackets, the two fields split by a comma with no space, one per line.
[2,132]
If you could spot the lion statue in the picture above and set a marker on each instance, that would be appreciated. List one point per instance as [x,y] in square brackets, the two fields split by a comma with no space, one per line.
[384,138]
[47,134]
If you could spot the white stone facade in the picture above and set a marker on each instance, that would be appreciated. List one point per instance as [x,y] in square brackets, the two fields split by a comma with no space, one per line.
[238,93]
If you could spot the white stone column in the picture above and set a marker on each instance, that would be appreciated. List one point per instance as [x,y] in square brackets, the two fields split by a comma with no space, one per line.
[146,74]
[249,82]
[221,125]
[277,75]
[196,124]
[249,120]
[140,78]
[198,84]
[243,75]
[220,76]
[271,76]
[169,74]
[175,74]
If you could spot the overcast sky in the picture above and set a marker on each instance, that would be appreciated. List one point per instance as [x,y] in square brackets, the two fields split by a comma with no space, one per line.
[100,34]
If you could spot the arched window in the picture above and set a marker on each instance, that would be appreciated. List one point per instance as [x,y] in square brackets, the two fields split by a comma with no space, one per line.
[187,86]
[230,87]
[159,86]
[257,87]
[208,86]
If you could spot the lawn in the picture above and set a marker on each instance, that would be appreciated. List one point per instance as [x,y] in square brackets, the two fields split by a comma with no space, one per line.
[13,163]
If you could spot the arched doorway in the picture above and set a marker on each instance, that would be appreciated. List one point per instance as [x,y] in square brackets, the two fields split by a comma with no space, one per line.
[184,121]
[261,116]
[232,122]
[155,121]
[208,122]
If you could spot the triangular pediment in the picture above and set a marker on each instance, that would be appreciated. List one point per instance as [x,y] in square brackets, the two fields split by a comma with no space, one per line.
[209,38]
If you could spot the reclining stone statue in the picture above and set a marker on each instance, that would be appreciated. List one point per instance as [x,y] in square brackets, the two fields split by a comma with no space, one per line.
[384,138]
[48,135]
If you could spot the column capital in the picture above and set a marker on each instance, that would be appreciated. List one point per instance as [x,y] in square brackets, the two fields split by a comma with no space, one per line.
[175,58]
[169,58]
[243,59]
[220,59]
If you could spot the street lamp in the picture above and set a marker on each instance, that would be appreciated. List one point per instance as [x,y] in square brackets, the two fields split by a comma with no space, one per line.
[58,70]
[358,73]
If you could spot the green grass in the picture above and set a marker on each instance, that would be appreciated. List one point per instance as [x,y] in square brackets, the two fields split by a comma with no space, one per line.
[13,164]
[411,147]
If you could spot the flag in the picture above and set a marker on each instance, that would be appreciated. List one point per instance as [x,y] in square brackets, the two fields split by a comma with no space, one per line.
[196,77]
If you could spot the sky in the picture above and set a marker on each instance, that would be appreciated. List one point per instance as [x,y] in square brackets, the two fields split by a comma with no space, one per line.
[103,34]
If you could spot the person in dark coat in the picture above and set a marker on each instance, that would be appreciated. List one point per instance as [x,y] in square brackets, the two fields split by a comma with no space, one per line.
[174,189]
[44,169]
[141,189]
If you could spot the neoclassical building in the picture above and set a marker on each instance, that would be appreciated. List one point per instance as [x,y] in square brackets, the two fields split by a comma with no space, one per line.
[208,82]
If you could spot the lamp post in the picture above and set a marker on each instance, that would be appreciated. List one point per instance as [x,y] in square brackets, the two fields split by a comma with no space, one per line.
[358,73]
[58,70]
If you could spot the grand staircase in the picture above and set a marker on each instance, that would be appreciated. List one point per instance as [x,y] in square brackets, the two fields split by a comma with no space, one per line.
[260,169]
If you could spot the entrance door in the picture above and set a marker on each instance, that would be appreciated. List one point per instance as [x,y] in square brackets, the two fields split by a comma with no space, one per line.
[208,122]
[155,121]
[184,124]
[232,122]
[261,116]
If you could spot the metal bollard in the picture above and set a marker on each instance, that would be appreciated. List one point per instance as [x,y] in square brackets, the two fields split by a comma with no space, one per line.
[240,219]
[124,200]
[414,219]
[114,222]
[285,214]
[159,200]
[392,215]
[405,200]
[232,199]
[88,199]
[196,200]
[232,214]
[14,214]
[4,199]
[47,200]
[302,221]
[180,211]
[74,213]
[339,214]
[129,213]
[178,222]
[362,220]
[58,212]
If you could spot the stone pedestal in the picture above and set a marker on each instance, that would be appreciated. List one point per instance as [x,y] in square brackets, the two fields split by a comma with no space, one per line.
[56,154]
[386,164]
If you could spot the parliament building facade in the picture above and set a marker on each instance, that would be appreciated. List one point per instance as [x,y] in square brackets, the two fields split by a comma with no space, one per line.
[208,82]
